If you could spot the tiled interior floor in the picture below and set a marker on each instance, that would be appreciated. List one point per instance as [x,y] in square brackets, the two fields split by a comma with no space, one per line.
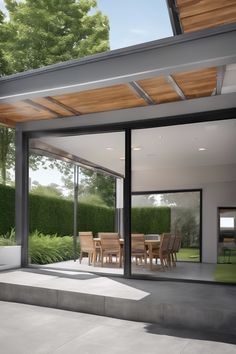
[183,270]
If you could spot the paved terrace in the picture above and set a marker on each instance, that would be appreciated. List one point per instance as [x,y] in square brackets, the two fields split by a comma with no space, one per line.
[26,329]
[177,304]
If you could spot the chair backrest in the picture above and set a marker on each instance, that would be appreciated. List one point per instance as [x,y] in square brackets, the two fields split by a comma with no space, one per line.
[86,241]
[177,243]
[165,239]
[109,241]
[137,242]
[171,243]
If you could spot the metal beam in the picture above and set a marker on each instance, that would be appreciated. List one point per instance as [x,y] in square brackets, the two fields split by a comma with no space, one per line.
[41,107]
[211,47]
[176,87]
[62,105]
[141,92]
[40,148]
[174,17]
[128,116]
[220,79]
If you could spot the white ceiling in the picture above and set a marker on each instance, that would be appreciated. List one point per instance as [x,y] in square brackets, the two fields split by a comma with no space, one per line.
[175,146]
[229,83]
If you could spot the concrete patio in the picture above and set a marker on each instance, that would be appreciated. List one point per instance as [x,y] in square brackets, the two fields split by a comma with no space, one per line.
[208,307]
[52,331]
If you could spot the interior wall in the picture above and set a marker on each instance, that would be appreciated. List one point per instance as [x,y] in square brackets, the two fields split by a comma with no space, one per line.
[218,184]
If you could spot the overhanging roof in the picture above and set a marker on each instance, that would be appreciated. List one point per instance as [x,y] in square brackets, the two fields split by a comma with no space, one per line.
[179,68]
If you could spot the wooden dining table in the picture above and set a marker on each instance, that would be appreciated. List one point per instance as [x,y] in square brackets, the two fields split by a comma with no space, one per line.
[150,245]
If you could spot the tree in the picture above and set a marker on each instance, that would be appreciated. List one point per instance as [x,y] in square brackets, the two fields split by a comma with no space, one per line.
[95,183]
[43,32]
[94,188]
[143,200]
[3,62]
[7,155]
[52,190]
[6,135]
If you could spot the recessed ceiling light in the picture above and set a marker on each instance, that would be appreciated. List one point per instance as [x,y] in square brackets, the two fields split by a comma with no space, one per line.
[122,158]
[109,148]
[202,149]
[136,148]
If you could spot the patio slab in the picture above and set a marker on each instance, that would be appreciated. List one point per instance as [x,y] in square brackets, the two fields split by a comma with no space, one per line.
[52,331]
[208,307]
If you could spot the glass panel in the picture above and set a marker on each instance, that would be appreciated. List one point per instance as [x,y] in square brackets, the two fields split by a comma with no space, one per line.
[227,236]
[170,165]
[99,160]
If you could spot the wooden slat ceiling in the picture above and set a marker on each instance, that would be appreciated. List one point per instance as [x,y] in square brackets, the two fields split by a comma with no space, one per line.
[101,100]
[200,14]
[191,84]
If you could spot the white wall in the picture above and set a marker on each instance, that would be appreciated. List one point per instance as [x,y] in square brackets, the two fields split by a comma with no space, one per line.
[218,184]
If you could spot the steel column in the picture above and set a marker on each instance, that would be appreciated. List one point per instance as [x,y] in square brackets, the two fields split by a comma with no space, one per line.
[76,189]
[127,205]
[22,192]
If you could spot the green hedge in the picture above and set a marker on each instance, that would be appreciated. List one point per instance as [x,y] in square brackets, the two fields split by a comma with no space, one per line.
[55,216]
[151,220]
[7,209]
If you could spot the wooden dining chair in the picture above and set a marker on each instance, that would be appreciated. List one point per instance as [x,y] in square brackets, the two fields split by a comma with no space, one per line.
[171,250]
[176,248]
[110,246]
[87,246]
[161,252]
[138,249]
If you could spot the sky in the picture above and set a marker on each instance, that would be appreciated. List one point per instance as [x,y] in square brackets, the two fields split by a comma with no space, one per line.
[136,21]
[131,22]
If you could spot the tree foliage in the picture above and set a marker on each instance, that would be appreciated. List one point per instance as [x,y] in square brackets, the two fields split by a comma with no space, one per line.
[94,188]
[53,190]
[45,32]
[7,152]
[94,183]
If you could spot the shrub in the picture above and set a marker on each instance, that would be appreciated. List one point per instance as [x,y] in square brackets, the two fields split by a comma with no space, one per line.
[9,239]
[44,249]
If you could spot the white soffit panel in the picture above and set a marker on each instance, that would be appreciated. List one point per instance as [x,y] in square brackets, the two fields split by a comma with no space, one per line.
[229,83]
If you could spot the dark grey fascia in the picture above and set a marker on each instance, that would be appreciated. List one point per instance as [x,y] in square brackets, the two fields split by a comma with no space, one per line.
[211,47]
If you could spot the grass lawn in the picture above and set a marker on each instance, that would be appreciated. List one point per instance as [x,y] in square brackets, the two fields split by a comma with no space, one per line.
[188,254]
[225,273]
[227,259]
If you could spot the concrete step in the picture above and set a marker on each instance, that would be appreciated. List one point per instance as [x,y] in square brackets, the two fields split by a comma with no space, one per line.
[180,305]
